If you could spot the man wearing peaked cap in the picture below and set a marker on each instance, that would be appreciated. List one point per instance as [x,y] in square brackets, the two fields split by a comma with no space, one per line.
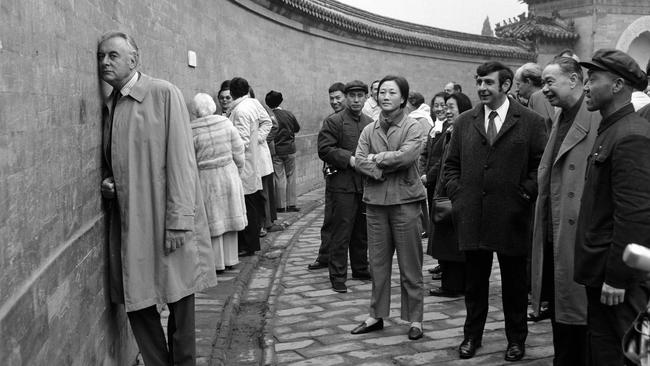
[615,206]
[337,143]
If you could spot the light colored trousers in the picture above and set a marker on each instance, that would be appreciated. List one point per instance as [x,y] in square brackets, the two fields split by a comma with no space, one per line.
[284,167]
[390,229]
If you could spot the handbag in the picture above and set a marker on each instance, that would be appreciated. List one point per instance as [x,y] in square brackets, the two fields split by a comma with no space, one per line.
[441,209]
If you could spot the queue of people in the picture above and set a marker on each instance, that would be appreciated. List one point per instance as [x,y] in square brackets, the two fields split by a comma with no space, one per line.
[556,187]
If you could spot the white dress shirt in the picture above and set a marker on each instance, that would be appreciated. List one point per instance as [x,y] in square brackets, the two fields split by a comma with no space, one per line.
[502,111]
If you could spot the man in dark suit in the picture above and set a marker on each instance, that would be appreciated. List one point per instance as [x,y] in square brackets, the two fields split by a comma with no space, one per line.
[491,176]
[615,206]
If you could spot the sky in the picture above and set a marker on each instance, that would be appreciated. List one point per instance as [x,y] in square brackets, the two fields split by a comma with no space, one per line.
[458,15]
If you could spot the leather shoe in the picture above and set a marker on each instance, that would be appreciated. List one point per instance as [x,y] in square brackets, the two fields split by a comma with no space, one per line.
[363,328]
[415,333]
[515,352]
[468,348]
[293,209]
[339,287]
[437,291]
[246,253]
[281,209]
[317,265]
[435,269]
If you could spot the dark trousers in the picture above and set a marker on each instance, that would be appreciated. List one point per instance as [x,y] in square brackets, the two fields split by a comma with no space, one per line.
[349,219]
[453,276]
[269,214]
[514,295]
[425,216]
[249,238]
[569,344]
[606,325]
[180,349]
[326,231]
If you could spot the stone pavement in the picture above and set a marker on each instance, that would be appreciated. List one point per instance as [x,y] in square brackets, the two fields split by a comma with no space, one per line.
[309,324]
[296,319]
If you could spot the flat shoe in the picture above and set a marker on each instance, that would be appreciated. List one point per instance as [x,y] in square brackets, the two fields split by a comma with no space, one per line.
[415,333]
[363,328]
[437,291]
[468,347]
[317,265]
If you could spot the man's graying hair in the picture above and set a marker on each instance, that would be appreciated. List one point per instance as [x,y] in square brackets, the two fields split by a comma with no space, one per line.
[129,40]
[568,65]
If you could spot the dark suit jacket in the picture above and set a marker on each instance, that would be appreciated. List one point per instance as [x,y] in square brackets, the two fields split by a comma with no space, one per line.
[615,207]
[493,188]
[337,142]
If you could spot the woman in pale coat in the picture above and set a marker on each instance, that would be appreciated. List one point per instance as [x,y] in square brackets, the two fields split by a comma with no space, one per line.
[220,157]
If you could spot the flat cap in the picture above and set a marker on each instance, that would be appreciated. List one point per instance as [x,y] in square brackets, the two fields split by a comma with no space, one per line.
[619,63]
[356,85]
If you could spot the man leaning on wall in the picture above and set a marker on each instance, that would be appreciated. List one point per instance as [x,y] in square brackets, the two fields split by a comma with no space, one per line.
[159,242]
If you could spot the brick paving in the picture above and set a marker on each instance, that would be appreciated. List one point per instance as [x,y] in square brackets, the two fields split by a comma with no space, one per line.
[309,324]
[304,322]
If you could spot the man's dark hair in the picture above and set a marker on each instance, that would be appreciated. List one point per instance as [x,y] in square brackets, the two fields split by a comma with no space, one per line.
[224,86]
[457,87]
[462,100]
[491,66]
[416,99]
[273,99]
[402,84]
[568,65]
[238,87]
[337,86]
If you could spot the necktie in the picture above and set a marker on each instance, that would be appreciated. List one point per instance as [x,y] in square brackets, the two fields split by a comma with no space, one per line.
[492,128]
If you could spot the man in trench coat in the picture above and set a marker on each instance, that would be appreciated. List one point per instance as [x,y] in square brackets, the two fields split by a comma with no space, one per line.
[159,242]
[491,174]
[560,183]
[615,209]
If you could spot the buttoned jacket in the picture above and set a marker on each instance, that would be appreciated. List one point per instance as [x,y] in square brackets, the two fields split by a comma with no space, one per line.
[560,184]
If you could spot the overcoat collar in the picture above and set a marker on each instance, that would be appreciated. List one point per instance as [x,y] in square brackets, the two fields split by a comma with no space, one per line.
[578,131]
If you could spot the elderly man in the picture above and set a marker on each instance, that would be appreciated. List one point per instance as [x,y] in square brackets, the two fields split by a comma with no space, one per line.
[452,87]
[491,174]
[159,242]
[337,142]
[560,184]
[370,107]
[248,116]
[336,93]
[615,206]
[528,86]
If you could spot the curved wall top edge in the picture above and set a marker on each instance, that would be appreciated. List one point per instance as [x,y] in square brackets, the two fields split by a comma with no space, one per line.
[358,25]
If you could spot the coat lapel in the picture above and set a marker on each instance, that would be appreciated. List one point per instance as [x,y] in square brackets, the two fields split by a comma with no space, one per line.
[577,132]
[511,119]
[479,120]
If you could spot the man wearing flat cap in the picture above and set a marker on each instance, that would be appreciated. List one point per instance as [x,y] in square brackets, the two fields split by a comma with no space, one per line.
[615,206]
[337,143]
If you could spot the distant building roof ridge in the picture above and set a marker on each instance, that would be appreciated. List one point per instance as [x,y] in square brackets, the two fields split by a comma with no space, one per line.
[357,21]
[527,28]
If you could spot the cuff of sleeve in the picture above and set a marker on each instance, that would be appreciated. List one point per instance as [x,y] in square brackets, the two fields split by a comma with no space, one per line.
[179,222]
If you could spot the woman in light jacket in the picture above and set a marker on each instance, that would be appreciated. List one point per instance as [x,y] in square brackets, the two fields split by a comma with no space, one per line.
[220,158]
[387,153]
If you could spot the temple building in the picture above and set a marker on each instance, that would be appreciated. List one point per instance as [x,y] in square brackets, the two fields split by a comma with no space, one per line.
[584,26]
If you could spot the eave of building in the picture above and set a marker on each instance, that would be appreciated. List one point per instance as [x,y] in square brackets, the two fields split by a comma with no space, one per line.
[339,18]
[531,28]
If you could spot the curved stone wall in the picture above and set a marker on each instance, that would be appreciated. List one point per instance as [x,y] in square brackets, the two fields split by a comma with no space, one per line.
[54,307]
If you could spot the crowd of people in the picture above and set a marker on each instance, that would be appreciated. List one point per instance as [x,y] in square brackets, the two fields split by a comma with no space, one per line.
[549,171]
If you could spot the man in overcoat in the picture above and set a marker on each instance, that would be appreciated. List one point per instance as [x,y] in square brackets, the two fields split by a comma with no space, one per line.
[337,143]
[491,174]
[560,183]
[615,208]
[159,241]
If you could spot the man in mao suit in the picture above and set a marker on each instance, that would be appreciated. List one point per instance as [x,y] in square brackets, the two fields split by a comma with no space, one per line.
[615,207]
[491,174]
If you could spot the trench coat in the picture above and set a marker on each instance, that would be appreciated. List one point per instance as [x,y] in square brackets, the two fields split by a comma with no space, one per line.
[493,188]
[157,187]
[565,175]
[220,157]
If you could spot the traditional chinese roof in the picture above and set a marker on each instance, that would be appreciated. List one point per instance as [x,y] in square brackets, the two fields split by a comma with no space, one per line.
[337,17]
[534,27]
